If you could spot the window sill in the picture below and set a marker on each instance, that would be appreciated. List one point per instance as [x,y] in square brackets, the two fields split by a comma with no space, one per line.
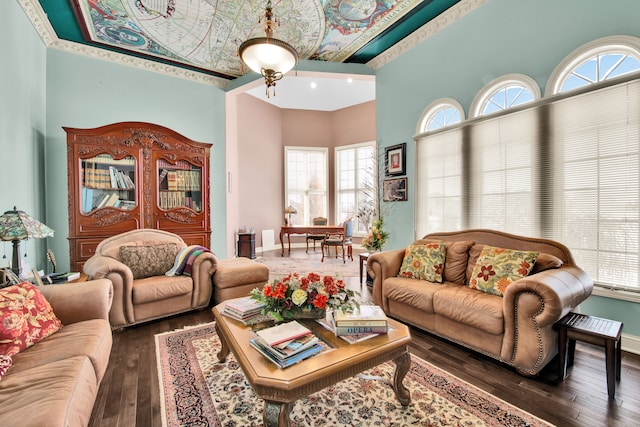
[616,294]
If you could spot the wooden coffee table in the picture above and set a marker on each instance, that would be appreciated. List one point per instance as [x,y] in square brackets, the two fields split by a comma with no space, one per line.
[281,387]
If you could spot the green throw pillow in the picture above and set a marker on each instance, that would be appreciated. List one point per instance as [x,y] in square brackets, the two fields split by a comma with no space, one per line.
[424,262]
[148,261]
[497,268]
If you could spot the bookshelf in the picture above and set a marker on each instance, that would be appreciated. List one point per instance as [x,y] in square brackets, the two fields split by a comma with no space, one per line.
[130,175]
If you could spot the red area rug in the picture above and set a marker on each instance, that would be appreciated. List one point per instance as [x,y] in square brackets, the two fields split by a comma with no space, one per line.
[197,390]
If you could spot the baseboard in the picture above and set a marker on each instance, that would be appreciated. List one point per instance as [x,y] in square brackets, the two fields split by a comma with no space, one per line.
[631,343]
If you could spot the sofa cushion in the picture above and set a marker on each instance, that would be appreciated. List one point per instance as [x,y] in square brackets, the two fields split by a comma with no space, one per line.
[497,268]
[89,338]
[148,261]
[477,309]
[60,393]
[457,258]
[546,262]
[424,262]
[159,288]
[5,364]
[416,293]
[26,316]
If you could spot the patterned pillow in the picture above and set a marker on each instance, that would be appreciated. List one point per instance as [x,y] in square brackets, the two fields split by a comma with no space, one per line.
[5,364]
[497,268]
[425,262]
[27,317]
[148,261]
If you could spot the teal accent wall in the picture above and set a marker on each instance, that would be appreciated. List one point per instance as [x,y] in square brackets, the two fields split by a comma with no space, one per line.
[500,37]
[22,126]
[84,92]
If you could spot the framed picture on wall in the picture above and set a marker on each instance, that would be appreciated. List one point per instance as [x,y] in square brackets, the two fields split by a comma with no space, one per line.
[395,160]
[394,190]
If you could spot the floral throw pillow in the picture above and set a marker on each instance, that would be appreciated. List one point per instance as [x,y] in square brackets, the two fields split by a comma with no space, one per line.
[5,364]
[424,262]
[497,268]
[27,317]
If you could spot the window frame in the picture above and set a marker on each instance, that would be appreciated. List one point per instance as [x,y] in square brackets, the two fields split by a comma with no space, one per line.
[429,113]
[487,92]
[307,219]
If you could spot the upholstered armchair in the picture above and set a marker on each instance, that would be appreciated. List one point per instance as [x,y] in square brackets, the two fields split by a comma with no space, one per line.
[136,263]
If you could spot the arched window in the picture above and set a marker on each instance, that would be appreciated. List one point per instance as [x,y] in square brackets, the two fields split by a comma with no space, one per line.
[439,114]
[600,60]
[503,93]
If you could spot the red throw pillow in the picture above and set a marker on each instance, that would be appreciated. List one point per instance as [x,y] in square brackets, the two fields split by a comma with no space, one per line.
[27,317]
[5,364]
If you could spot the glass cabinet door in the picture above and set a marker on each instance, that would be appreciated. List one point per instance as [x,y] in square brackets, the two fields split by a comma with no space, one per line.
[179,185]
[108,182]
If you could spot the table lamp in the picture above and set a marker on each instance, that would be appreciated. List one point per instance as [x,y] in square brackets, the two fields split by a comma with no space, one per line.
[15,226]
[290,210]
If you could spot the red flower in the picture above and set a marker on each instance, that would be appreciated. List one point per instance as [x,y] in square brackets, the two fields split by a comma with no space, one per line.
[267,290]
[304,283]
[485,272]
[330,285]
[313,277]
[279,291]
[320,301]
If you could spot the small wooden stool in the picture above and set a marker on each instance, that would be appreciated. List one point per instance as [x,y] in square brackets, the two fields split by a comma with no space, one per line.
[594,330]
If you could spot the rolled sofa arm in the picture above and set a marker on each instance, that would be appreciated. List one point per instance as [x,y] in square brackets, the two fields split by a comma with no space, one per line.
[104,267]
[76,302]
[380,266]
[531,307]
[204,266]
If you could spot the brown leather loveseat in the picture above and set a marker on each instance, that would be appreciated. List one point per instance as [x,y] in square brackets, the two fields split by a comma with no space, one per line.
[516,328]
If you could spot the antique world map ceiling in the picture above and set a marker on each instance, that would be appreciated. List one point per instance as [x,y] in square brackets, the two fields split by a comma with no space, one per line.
[204,35]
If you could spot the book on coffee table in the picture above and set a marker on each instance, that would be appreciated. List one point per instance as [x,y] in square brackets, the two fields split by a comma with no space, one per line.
[283,332]
[366,315]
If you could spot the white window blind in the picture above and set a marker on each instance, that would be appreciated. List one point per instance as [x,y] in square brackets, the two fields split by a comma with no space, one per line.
[503,155]
[439,182]
[306,181]
[355,184]
[597,136]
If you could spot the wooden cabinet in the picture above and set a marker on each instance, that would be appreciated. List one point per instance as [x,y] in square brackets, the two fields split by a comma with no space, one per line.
[131,175]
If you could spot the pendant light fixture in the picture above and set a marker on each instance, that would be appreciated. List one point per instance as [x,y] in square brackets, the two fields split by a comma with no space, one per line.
[267,55]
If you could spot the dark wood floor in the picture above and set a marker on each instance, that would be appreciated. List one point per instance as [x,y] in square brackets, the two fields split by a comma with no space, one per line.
[129,393]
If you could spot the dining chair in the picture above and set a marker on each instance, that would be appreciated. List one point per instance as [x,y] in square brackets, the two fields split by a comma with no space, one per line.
[319,220]
[343,240]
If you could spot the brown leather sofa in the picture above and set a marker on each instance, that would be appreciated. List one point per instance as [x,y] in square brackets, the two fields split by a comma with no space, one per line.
[55,382]
[140,297]
[517,328]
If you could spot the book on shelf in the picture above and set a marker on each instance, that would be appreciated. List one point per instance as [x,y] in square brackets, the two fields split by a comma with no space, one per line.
[366,315]
[283,332]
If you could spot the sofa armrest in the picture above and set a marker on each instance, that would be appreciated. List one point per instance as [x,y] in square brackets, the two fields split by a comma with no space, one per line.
[75,302]
[204,266]
[380,266]
[532,305]
[99,267]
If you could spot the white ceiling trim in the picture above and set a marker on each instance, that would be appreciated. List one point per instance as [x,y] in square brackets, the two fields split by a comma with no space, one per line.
[441,21]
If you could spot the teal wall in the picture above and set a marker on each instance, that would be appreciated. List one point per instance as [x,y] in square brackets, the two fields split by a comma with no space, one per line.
[22,126]
[500,37]
[84,92]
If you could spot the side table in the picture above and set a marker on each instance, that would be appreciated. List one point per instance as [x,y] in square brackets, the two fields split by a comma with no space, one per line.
[593,330]
[363,260]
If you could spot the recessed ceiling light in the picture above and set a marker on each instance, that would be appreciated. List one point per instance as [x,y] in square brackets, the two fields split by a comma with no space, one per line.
[313,85]
[349,80]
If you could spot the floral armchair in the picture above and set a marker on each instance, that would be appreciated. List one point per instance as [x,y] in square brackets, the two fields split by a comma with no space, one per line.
[143,266]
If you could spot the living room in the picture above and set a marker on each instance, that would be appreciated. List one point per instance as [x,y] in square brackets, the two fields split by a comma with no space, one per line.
[45,88]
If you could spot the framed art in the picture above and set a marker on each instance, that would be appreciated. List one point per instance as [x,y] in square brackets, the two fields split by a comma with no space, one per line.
[395,160]
[394,190]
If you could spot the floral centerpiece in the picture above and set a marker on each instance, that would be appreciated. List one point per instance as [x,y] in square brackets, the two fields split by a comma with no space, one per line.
[308,295]
[377,236]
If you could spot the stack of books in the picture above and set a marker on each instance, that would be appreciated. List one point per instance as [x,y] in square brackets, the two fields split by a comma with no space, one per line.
[246,310]
[368,319]
[287,343]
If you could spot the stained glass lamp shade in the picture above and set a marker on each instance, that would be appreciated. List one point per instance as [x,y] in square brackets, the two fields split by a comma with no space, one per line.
[15,226]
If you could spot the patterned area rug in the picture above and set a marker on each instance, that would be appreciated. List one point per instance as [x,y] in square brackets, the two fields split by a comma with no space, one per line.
[197,390]
[330,266]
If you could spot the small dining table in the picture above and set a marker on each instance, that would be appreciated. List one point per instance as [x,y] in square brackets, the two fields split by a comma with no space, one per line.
[288,230]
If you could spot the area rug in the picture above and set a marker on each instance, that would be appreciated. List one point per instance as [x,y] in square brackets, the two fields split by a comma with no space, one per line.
[330,266]
[197,390]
